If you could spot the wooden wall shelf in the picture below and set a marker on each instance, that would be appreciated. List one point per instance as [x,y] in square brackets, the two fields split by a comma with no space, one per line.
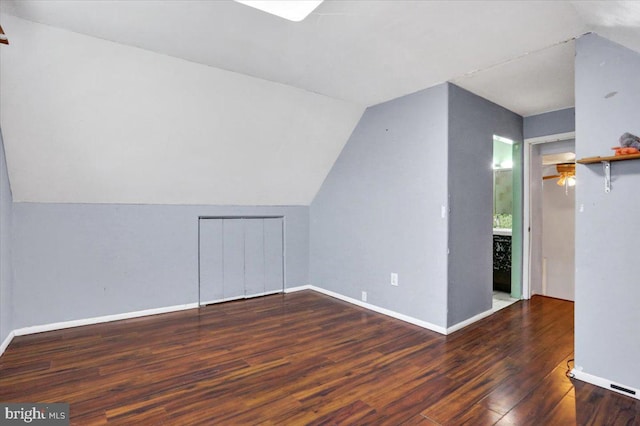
[606,165]
[591,160]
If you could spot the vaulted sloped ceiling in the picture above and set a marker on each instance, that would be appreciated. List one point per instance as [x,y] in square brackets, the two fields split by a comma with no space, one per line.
[184,101]
[91,121]
[363,51]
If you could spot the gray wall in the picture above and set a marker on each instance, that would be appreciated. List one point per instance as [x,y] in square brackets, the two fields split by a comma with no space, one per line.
[75,261]
[379,209]
[607,232]
[6,271]
[549,123]
[472,123]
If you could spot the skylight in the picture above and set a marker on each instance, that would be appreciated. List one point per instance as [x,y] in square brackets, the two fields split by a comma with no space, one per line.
[293,10]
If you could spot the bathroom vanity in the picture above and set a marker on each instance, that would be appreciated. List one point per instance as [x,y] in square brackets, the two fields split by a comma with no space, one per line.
[502,259]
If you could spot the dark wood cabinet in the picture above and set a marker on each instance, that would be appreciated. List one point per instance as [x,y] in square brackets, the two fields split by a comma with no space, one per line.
[502,263]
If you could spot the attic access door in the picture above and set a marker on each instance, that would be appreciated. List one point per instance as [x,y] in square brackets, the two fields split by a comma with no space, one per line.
[240,258]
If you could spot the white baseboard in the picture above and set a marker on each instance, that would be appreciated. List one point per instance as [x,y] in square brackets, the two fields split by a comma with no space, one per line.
[374,308]
[127,315]
[393,314]
[299,288]
[605,383]
[231,299]
[266,293]
[97,320]
[215,301]
[469,321]
[5,344]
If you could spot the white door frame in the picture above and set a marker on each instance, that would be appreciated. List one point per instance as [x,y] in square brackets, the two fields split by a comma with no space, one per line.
[526,208]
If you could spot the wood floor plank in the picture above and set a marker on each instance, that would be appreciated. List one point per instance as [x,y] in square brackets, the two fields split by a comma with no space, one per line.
[597,406]
[477,415]
[350,414]
[512,390]
[405,403]
[564,413]
[419,420]
[305,358]
[474,390]
[540,401]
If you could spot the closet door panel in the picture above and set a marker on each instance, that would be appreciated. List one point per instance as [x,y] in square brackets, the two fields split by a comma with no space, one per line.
[211,270]
[273,255]
[233,258]
[253,257]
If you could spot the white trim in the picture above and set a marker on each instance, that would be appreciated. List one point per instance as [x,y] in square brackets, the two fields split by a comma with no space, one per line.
[299,288]
[551,138]
[526,204]
[116,317]
[228,299]
[268,293]
[469,321]
[7,341]
[393,314]
[387,312]
[603,383]
[155,311]
[212,302]
[97,320]
[526,221]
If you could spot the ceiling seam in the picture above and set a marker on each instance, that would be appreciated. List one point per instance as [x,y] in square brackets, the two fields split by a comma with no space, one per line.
[514,58]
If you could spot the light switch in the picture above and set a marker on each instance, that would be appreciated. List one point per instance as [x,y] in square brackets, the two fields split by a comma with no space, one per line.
[394,279]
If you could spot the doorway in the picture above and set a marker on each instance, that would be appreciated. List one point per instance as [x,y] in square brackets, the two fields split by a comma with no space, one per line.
[506,215]
[548,253]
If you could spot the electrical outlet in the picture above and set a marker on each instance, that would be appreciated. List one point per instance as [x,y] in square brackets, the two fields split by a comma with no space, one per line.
[394,279]
[364,296]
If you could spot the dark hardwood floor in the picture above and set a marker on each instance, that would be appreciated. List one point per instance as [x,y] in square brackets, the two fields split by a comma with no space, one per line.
[305,358]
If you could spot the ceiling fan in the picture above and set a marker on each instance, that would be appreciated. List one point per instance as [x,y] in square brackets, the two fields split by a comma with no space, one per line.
[566,174]
[3,37]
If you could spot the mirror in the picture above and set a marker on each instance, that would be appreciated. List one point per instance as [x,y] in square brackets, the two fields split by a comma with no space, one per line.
[502,198]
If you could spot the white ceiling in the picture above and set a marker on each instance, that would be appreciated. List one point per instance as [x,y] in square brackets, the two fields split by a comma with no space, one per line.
[366,52]
[346,55]
[90,121]
[559,158]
